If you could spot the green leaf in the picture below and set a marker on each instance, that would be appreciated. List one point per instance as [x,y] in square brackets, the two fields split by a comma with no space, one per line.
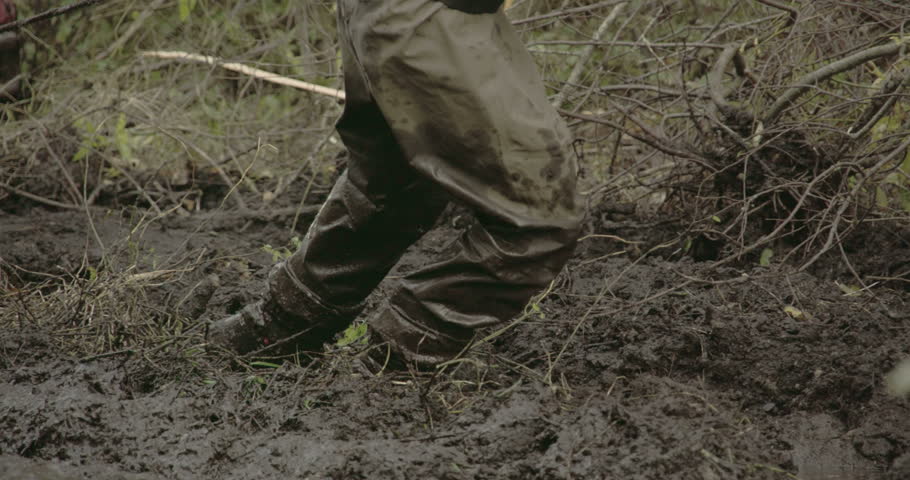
[881,197]
[353,334]
[794,312]
[185,7]
[766,256]
[265,365]
[256,379]
[849,290]
[905,200]
[122,137]
[716,219]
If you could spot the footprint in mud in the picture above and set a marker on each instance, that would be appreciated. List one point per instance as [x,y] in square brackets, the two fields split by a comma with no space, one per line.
[823,451]
[25,469]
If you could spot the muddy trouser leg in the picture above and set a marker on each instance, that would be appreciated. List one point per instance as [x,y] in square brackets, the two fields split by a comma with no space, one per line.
[379,206]
[469,111]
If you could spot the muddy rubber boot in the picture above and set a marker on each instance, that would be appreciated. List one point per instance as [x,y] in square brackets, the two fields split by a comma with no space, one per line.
[259,327]
[385,356]
[380,357]
[288,319]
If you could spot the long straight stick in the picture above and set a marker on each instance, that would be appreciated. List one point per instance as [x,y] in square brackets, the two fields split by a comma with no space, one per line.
[247,70]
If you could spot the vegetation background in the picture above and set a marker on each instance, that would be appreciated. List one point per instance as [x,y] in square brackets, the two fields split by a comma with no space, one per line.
[756,121]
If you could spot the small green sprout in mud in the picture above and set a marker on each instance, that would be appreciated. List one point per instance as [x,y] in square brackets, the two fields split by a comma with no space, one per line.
[265,365]
[283,253]
[354,335]
[766,256]
[256,379]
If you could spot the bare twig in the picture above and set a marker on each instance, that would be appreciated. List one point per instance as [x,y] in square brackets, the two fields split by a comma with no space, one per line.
[846,202]
[794,15]
[716,78]
[54,12]
[38,198]
[805,83]
[881,105]
[134,27]
[567,12]
[581,65]
[655,142]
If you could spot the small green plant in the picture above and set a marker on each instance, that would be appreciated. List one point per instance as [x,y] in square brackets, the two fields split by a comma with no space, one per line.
[282,253]
[355,334]
[264,365]
[185,8]
[256,380]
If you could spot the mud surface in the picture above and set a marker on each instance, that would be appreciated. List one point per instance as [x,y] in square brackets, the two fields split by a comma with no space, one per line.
[632,366]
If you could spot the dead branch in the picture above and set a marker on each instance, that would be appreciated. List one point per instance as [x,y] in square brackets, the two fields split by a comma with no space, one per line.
[654,142]
[805,83]
[794,15]
[54,12]
[568,12]
[716,78]
[581,65]
[846,202]
[36,198]
[881,104]
[134,28]
[620,43]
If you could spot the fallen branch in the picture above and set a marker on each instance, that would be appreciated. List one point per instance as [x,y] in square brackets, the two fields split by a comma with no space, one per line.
[794,15]
[654,142]
[581,64]
[881,104]
[567,12]
[250,71]
[134,28]
[48,14]
[716,78]
[37,198]
[802,85]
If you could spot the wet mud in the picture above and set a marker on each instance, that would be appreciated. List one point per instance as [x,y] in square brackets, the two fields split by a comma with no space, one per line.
[741,372]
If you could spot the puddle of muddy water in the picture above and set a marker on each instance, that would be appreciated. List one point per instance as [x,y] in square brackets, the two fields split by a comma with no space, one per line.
[823,452]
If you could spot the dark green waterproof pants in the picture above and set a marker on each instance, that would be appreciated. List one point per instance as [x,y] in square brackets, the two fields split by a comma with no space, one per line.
[441,105]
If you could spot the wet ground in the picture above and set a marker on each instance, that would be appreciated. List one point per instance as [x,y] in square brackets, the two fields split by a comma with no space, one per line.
[632,366]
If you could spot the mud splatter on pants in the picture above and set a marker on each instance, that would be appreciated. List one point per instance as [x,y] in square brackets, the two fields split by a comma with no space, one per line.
[441,105]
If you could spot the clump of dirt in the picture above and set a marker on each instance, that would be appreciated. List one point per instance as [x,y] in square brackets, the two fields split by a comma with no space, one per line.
[631,366]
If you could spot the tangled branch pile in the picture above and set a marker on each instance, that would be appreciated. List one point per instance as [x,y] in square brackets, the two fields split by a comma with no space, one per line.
[784,125]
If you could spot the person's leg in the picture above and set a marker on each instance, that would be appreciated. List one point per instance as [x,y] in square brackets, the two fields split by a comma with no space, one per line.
[376,210]
[378,207]
[468,108]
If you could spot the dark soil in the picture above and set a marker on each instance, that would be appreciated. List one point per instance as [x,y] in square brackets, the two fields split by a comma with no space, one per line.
[633,366]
